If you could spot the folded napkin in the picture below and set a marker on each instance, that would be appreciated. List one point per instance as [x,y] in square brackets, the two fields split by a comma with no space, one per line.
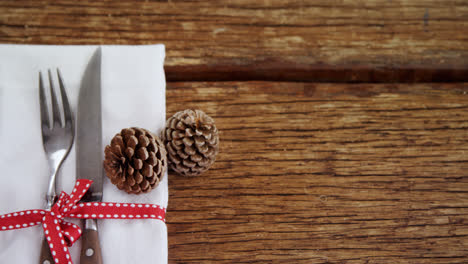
[133,94]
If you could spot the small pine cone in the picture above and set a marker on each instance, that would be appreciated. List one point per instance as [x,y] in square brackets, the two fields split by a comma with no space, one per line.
[191,140]
[135,160]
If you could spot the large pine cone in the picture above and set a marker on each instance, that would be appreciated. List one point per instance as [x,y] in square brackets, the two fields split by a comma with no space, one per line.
[191,140]
[135,160]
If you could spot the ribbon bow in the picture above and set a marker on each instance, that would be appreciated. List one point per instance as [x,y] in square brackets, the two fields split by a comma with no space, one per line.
[61,234]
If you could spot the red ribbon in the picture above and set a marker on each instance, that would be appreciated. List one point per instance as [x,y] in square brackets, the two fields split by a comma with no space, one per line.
[61,234]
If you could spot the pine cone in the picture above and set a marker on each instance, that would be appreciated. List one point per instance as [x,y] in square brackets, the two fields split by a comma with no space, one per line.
[135,160]
[191,139]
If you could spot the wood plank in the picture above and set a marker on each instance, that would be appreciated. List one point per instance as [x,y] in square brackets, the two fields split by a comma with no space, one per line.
[323,40]
[325,173]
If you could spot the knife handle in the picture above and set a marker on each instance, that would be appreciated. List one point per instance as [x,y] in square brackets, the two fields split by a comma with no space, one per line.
[46,257]
[90,248]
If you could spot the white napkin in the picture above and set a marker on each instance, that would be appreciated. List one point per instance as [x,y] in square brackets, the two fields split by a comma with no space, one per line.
[133,94]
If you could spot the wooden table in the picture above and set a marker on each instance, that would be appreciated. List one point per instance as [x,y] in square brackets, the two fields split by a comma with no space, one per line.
[343,124]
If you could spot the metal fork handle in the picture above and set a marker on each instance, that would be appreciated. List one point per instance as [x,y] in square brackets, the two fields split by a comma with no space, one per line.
[55,165]
[51,195]
[46,256]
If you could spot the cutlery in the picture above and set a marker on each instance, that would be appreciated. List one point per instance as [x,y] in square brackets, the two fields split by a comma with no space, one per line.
[89,152]
[57,140]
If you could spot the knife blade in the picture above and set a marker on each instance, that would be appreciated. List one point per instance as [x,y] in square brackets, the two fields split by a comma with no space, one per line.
[89,151]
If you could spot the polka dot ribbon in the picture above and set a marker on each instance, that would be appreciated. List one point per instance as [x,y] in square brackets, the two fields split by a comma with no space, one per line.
[61,234]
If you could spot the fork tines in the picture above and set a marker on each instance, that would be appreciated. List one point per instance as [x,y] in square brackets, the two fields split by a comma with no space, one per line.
[56,116]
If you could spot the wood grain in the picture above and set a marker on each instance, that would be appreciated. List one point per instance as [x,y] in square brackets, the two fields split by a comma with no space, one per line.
[325,173]
[294,40]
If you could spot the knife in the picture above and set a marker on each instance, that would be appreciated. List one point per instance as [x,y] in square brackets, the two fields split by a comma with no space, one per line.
[89,152]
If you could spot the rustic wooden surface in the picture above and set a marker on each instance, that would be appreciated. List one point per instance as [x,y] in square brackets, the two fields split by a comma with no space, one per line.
[325,173]
[308,172]
[322,40]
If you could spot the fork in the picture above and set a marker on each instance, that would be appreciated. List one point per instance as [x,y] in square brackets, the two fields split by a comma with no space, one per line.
[57,140]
